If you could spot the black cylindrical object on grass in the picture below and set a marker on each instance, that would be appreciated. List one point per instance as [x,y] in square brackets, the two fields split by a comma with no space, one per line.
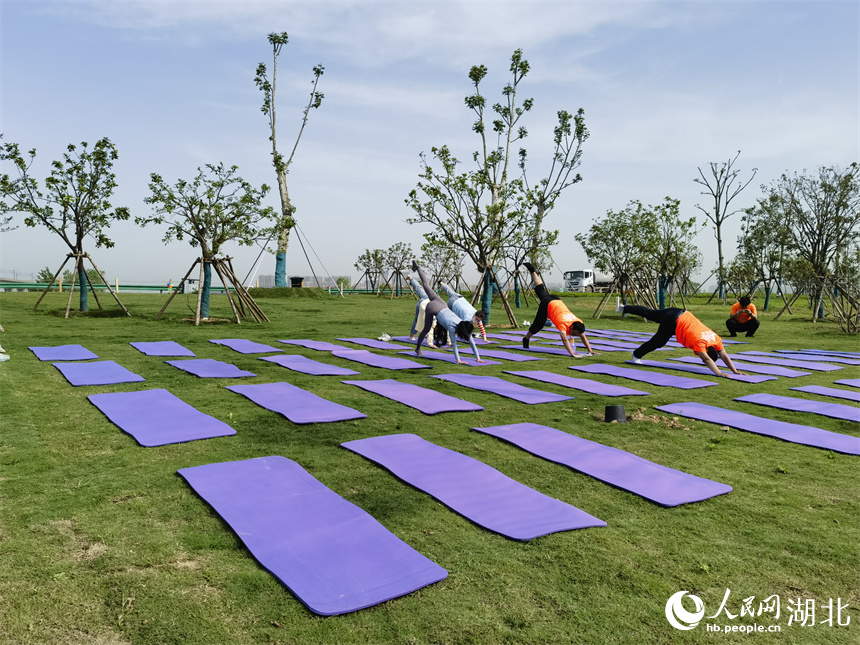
[615,413]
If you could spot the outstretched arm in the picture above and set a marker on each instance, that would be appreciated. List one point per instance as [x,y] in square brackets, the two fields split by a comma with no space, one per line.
[728,361]
[475,350]
[567,344]
[585,342]
[710,364]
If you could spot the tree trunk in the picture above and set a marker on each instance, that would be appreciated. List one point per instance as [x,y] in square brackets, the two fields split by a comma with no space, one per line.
[205,289]
[767,296]
[284,239]
[487,296]
[83,284]
[517,290]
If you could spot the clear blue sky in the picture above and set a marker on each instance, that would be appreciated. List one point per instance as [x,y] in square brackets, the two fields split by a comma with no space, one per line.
[666,87]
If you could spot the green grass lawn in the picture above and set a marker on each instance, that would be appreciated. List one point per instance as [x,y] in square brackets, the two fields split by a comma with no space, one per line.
[102,542]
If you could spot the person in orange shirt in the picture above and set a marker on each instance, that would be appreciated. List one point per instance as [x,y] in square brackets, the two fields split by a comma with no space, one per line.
[687,329]
[552,307]
[743,317]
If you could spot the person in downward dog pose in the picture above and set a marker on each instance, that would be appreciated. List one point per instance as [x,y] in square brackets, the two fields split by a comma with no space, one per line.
[446,319]
[687,329]
[552,307]
[438,336]
[464,309]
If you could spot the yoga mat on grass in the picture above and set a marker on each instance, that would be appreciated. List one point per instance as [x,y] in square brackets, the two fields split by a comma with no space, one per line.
[506,356]
[298,405]
[821,351]
[773,370]
[210,368]
[330,553]
[661,484]
[98,373]
[664,380]
[376,360]
[538,349]
[63,353]
[318,345]
[786,362]
[828,391]
[299,363]
[412,341]
[245,346]
[850,382]
[473,489]
[370,342]
[162,348]
[791,432]
[586,385]
[420,398]
[833,410]
[158,418]
[449,358]
[801,356]
[701,369]
[502,388]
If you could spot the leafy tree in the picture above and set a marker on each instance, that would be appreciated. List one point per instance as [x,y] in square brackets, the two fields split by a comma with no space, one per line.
[669,245]
[75,203]
[372,264]
[614,244]
[443,260]
[822,213]
[764,247]
[45,275]
[214,208]
[282,167]
[722,186]
[397,257]
[92,276]
[479,211]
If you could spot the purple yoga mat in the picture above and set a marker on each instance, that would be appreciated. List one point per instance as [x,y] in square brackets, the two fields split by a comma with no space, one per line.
[162,348]
[299,363]
[821,351]
[661,484]
[330,553]
[829,391]
[63,353]
[318,345]
[157,417]
[586,385]
[786,362]
[298,405]
[471,488]
[834,410]
[850,382]
[98,373]
[664,380]
[802,356]
[505,337]
[376,360]
[370,342]
[506,356]
[793,432]
[246,346]
[210,368]
[773,370]
[412,341]
[449,358]
[539,349]
[420,398]
[701,369]
[502,387]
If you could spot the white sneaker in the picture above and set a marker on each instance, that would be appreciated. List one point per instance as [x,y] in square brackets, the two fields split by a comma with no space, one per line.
[4,357]
[384,337]
[634,359]
[619,308]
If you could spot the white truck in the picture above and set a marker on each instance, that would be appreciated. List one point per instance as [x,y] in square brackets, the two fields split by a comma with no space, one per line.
[587,280]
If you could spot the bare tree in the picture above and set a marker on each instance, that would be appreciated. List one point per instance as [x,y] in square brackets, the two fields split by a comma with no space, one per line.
[722,186]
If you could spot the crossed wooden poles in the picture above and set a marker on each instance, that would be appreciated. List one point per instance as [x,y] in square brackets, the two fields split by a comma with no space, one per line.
[241,301]
[79,265]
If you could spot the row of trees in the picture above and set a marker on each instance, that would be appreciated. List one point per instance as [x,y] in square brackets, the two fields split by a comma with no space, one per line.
[645,245]
[442,260]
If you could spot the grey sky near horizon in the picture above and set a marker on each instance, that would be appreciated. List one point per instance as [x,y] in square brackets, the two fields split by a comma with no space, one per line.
[667,87]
